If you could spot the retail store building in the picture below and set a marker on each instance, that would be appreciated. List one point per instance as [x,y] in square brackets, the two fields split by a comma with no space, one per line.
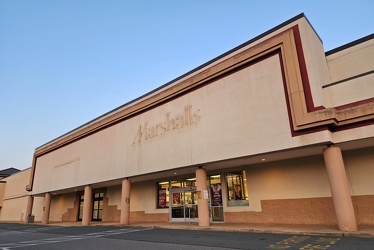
[273,131]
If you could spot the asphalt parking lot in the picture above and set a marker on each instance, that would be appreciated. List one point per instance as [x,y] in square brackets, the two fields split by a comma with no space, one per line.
[26,236]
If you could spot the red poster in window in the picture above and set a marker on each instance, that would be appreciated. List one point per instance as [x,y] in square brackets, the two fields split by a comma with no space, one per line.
[162,197]
[176,198]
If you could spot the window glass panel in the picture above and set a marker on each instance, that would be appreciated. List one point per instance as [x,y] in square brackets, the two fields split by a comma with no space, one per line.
[163,195]
[94,214]
[237,189]
[101,204]
[176,184]
[245,185]
[191,182]
[214,179]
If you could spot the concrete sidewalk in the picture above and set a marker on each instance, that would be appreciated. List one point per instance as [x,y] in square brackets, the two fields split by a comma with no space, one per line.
[321,230]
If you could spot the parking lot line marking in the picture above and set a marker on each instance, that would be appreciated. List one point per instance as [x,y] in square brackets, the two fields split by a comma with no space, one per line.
[8,246]
[11,232]
[31,230]
[320,243]
[287,243]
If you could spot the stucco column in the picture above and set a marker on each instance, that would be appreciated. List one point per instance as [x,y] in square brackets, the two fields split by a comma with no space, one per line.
[30,202]
[87,206]
[125,202]
[203,205]
[46,208]
[341,196]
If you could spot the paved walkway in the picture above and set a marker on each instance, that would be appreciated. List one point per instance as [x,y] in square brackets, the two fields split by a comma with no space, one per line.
[323,230]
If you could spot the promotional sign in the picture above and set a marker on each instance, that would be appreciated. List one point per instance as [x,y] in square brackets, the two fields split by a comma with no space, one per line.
[162,197]
[206,194]
[216,197]
[176,198]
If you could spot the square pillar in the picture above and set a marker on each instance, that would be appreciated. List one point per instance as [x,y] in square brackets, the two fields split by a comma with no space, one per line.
[46,208]
[345,214]
[87,206]
[125,202]
[203,205]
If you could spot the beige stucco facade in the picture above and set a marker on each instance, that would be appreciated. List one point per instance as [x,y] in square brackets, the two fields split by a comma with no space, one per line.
[14,199]
[271,123]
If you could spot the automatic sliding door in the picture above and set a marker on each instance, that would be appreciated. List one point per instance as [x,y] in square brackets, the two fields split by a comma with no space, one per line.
[190,210]
[184,205]
[177,208]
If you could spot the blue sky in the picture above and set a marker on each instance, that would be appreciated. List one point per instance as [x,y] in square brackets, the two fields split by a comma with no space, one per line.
[64,63]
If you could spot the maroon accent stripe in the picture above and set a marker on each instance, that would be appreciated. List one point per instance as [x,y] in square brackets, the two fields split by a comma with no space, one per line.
[309,97]
[293,132]
[303,71]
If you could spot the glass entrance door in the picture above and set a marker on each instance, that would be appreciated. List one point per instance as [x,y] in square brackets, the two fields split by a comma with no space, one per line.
[190,207]
[184,204]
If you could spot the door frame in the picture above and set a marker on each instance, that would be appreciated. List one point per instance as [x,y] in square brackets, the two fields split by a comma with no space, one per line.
[186,217]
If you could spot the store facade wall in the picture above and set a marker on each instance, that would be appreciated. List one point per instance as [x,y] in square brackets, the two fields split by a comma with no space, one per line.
[209,131]
[257,120]
[144,202]
[288,192]
[297,191]
[284,192]
[2,191]
[293,191]
[59,204]
[345,65]
[15,197]
[360,169]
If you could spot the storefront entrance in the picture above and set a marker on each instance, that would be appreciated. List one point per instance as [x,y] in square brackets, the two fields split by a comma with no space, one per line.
[182,199]
[184,204]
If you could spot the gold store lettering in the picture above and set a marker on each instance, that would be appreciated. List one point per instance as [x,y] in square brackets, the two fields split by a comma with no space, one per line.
[182,120]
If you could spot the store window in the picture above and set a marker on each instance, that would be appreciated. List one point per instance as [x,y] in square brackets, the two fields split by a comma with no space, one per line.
[97,207]
[163,194]
[191,182]
[163,189]
[176,184]
[237,189]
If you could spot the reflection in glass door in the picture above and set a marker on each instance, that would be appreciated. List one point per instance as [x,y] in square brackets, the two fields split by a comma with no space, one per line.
[184,204]
[190,207]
